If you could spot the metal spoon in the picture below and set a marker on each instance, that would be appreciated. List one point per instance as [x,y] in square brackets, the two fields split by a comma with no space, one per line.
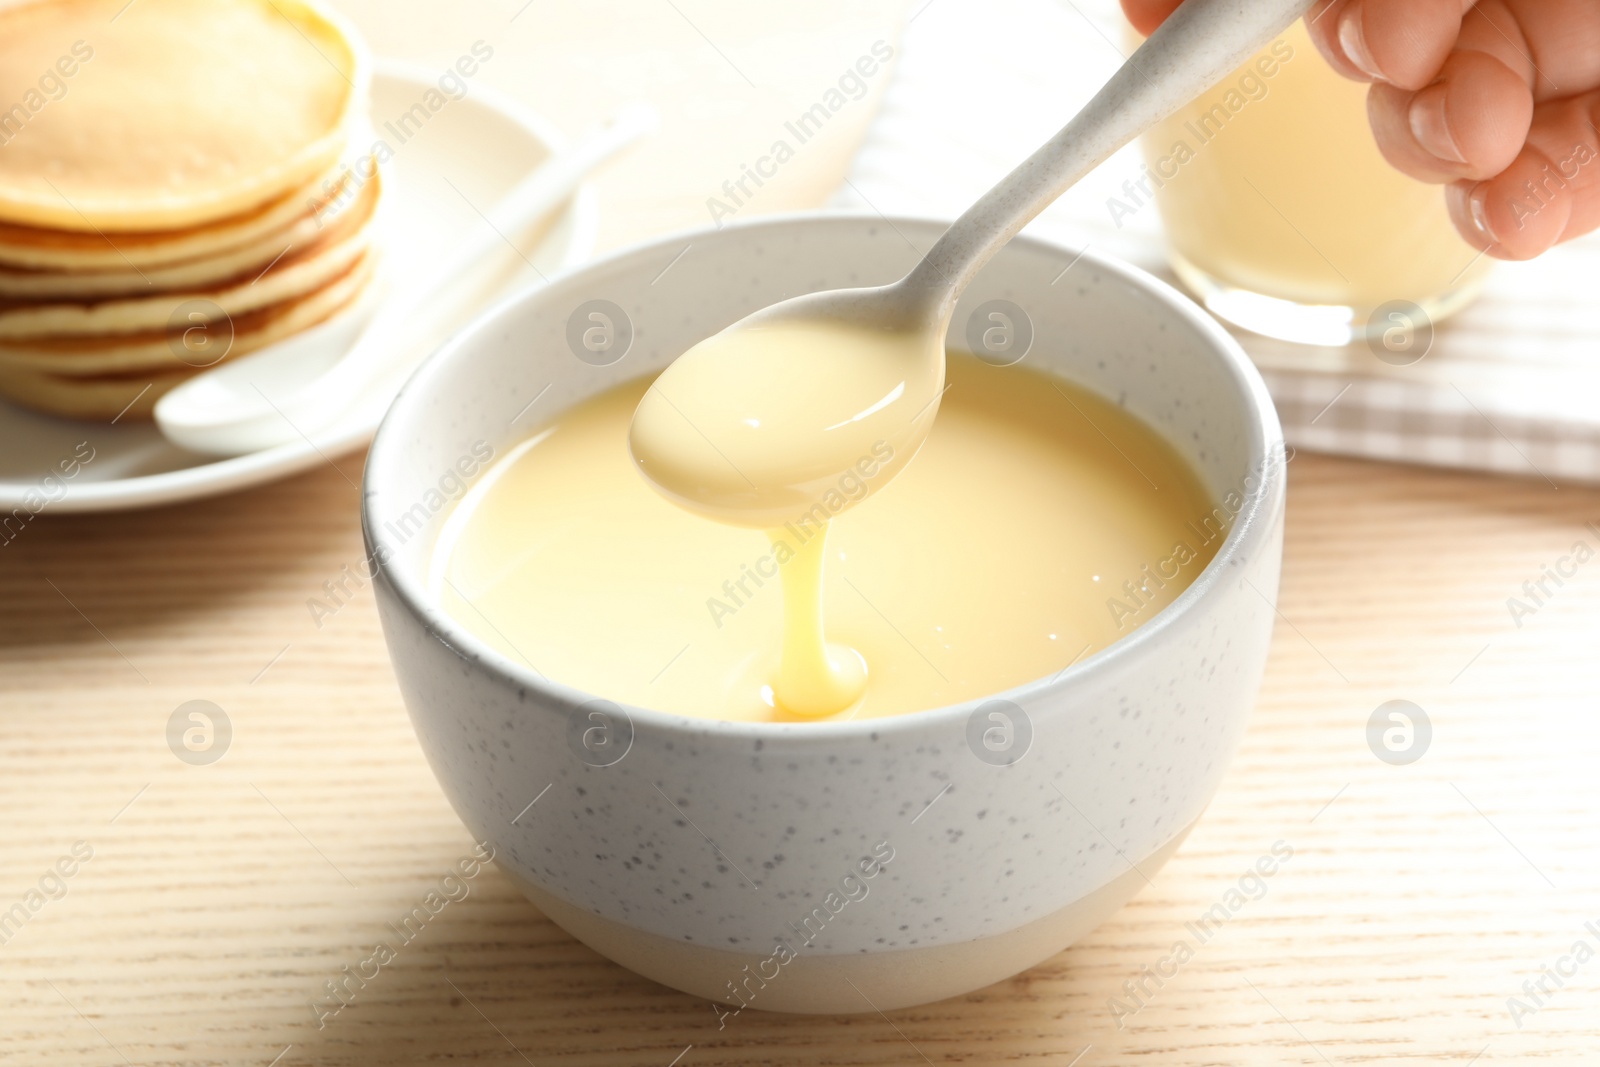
[752,425]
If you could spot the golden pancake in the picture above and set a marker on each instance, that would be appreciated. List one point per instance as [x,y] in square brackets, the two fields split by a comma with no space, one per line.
[132,397]
[299,271]
[175,114]
[132,394]
[190,343]
[246,261]
[60,250]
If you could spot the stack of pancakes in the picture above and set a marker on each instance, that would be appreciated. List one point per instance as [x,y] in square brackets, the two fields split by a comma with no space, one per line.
[175,190]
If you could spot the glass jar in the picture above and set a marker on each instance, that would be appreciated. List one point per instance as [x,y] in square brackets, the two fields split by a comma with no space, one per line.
[1284,218]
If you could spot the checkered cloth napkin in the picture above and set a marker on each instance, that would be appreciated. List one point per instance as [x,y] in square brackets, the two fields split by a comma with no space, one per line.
[1512,384]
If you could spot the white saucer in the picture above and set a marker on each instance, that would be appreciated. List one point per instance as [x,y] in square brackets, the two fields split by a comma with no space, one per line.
[480,144]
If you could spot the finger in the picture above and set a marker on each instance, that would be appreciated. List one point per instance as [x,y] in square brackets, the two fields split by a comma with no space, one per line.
[1549,194]
[1146,15]
[1323,23]
[1402,42]
[1468,124]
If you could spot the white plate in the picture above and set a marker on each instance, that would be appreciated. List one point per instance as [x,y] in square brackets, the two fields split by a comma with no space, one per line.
[461,158]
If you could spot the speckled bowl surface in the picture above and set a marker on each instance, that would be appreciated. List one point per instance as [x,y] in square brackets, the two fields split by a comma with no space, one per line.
[837,866]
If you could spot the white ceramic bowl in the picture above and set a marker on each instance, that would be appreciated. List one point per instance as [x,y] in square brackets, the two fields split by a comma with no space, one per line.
[799,867]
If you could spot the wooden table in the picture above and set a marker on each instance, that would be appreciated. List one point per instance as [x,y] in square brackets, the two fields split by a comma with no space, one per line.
[219,899]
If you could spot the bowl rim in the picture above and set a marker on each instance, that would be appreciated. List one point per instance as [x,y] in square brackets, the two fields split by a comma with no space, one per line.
[1252,525]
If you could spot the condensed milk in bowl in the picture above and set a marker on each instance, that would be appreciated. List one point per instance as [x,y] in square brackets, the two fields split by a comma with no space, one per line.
[890,739]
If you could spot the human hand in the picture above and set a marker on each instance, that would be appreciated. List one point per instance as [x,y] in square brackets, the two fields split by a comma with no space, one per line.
[1498,99]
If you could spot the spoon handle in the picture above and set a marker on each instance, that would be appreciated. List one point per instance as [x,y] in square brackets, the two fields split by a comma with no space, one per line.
[1193,50]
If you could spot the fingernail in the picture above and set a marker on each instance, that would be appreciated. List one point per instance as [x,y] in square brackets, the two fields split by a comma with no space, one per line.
[1354,42]
[1429,127]
[1479,209]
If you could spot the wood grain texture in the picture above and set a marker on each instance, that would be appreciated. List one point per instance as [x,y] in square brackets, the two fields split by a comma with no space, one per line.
[220,899]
